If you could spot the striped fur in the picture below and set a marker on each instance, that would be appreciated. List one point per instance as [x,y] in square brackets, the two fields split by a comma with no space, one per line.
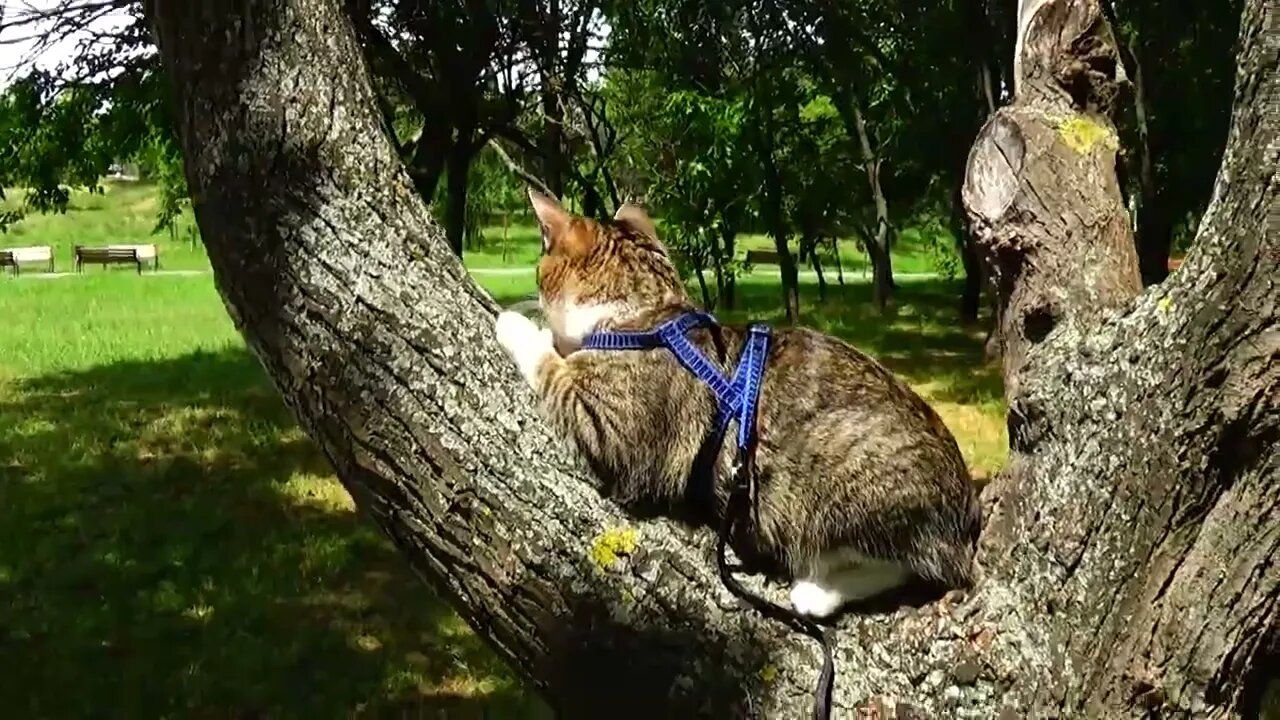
[862,486]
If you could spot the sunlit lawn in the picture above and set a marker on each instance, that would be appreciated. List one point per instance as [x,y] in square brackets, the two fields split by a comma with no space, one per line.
[171,544]
[125,213]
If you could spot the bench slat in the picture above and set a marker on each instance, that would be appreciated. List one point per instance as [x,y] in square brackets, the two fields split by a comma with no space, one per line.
[762,257]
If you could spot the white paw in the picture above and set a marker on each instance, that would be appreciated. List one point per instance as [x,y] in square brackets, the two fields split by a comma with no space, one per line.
[524,341]
[515,331]
[808,598]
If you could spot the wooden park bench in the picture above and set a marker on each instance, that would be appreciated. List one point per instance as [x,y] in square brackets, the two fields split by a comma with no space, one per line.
[762,257]
[136,255]
[16,257]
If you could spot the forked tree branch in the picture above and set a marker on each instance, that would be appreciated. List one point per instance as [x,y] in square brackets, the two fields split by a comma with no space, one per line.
[1104,530]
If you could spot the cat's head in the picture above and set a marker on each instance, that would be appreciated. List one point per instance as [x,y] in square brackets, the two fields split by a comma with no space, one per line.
[591,272]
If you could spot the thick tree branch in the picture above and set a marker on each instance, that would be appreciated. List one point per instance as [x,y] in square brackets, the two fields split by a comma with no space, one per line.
[1144,429]
[386,354]
[1041,188]
[1131,481]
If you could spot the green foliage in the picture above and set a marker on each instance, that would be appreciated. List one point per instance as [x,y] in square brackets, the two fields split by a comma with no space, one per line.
[161,161]
[935,234]
[57,137]
[494,191]
[50,140]
[701,99]
[690,149]
[1186,54]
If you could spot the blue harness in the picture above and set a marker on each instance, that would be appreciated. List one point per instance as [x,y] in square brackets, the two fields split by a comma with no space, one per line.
[736,398]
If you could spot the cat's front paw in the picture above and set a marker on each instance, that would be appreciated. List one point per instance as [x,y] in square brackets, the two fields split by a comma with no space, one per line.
[525,342]
[515,331]
[809,598]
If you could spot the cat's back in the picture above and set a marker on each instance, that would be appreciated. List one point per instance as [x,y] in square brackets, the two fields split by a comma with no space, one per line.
[823,396]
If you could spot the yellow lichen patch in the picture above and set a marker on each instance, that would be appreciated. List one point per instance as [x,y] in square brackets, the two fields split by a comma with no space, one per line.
[769,673]
[1082,134]
[611,543]
[367,642]
[1164,303]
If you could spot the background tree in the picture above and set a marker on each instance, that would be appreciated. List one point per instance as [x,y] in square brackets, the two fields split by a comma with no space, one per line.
[695,170]
[530,77]
[1130,559]
[1174,117]
[822,197]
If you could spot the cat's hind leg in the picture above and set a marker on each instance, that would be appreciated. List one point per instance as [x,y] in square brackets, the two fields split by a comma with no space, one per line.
[813,598]
[841,578]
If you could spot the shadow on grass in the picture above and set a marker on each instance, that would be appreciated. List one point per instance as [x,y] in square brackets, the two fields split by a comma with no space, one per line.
[171,545]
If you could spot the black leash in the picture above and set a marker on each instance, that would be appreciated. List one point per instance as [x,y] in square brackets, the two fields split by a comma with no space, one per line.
[736,397]
[741,498]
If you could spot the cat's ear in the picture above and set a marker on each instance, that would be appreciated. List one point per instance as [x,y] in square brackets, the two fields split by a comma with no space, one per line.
[637,218]
[552,219]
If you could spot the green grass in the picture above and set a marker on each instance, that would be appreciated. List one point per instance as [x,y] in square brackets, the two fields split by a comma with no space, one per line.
[172,545]
[124,213]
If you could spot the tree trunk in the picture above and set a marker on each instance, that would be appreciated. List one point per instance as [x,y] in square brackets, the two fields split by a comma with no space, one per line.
[971,295]
[427,162]
[455,209]
[592,206]
[728,238]
[717,264]
[1155,227]
[1130,567]
[708,302]
[1143,428]
[822,280]
[773,213]
[878,245]
[506,226]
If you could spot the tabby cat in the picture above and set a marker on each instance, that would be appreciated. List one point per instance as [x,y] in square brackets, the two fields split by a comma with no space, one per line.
[862,487]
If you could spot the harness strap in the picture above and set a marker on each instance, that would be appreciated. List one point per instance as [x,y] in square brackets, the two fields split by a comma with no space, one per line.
[738,398]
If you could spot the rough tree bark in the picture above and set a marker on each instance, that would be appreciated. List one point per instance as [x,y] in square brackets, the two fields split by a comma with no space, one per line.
[1131,563]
